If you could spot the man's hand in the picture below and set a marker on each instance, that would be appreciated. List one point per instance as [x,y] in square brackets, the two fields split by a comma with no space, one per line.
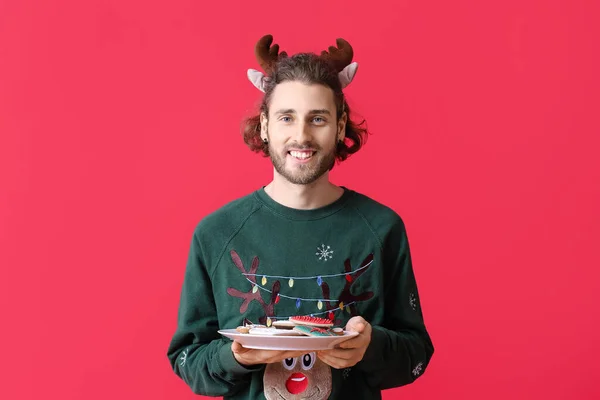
[350,352]
[248,357]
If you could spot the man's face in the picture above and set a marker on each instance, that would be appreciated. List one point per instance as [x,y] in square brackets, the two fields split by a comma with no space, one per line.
[302,130]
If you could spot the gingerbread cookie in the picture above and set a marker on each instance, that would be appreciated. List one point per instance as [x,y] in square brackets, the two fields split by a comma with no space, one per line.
[243,329]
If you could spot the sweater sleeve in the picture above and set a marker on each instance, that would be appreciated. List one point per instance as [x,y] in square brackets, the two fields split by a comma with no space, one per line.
[400,347]
[197,353]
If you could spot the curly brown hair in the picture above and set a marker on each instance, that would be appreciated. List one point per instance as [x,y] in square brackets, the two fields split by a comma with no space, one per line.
[307,68]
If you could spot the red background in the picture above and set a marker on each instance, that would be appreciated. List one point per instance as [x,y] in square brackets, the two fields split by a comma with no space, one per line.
[119,124]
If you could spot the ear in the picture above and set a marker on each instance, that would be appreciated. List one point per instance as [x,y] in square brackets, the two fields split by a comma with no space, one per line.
[347,74]
[342,126]
[263,125]
[257,78]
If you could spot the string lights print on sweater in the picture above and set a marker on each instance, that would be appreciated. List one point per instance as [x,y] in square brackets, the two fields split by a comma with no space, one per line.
[345,301]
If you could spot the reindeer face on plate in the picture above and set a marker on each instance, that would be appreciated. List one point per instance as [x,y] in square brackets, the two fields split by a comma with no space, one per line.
[304,377]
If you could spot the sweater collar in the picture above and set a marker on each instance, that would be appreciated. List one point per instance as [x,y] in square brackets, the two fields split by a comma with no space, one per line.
[301,214]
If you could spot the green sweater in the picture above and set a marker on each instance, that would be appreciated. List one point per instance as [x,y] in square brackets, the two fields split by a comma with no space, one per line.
[257,259]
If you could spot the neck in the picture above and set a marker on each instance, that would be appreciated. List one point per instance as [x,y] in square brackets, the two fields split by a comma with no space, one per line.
[304,197]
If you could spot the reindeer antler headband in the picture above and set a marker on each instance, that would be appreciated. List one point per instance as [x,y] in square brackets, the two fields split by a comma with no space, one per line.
[340,57]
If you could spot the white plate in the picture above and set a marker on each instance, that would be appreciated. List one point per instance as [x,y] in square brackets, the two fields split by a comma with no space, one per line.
[308,343]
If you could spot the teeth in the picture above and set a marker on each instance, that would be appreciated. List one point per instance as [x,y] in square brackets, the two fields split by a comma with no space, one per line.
[301,154]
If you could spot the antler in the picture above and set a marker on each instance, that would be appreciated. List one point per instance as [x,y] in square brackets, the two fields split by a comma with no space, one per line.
[341,56]
[266,54]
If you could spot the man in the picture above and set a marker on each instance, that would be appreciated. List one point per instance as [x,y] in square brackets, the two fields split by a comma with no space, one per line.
[301,246]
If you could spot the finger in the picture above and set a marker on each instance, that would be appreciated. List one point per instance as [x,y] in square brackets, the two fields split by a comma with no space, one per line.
[282,355]
[331,361]
[294,354]
[361,340]
[335,362]
[340,354]
[353,343]
[291,354]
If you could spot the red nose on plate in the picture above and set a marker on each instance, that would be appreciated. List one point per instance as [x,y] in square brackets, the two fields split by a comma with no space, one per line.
[296,383]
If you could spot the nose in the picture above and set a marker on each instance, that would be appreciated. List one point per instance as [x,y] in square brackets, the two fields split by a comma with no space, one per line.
[302,132]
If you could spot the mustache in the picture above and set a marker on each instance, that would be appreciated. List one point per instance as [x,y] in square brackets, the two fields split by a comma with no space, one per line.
[305,146]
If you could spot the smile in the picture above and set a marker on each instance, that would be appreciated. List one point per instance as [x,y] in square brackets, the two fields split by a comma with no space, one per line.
[301,155]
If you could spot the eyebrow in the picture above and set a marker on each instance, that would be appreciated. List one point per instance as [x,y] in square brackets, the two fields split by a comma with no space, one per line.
[311,112]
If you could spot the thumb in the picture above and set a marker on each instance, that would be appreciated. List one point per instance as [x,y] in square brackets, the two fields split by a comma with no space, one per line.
[356,324]
[238,348]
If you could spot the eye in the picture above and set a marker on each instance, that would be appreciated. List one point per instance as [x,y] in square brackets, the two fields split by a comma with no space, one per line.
[308,360]
[289,363]
[319,120]
[286,118]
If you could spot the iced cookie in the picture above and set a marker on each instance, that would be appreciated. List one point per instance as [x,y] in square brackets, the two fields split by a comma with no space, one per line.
[284,324]
[312,321]
[273,332]
[313,331]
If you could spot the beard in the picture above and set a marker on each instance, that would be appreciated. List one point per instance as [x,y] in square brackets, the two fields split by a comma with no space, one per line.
[303,174]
